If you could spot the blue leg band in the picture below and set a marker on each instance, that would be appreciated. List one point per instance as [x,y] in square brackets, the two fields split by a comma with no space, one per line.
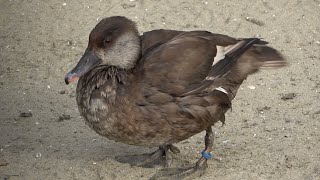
[206,155]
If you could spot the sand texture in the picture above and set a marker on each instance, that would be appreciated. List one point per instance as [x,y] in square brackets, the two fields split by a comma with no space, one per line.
[273,131]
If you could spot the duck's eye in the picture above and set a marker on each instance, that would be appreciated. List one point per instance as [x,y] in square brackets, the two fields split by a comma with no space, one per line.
[107,41]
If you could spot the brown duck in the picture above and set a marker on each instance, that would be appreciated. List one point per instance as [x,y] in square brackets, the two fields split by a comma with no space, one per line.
[164,86]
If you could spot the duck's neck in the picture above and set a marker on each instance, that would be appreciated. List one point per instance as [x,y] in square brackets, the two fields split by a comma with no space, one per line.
[124,53]
[100,87]
[104,76]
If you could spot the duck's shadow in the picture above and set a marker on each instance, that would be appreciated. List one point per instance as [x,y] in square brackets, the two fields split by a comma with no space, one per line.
[139,159]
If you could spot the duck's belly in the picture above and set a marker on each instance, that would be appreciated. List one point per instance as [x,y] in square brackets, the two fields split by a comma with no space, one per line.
[138,132]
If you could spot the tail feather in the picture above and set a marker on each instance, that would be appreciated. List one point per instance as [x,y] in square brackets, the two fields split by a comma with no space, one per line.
[271,58]
[240,60]
[256,58]
[259,57]
[273,64]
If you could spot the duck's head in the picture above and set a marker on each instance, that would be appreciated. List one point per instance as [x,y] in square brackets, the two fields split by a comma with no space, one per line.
[114,41]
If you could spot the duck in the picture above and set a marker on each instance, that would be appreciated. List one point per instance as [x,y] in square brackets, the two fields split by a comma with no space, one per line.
[164,86]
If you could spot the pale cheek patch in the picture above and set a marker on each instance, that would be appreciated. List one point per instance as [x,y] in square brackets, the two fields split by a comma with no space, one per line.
[123,53]
[221,89]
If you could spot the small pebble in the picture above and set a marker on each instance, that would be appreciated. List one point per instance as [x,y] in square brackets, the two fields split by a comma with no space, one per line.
[226,141]
[64,117]
[251,87]
[288,96]
[3,162]
[261,109]
[62,92]
[69,43]
[254,21]
[25,114]
[38,155]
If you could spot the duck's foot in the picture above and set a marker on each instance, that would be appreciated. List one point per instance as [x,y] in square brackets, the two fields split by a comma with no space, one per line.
[148,160]
[190,172]
[182,173]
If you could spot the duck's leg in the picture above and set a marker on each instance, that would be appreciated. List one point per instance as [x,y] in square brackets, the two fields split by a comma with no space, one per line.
[200,166]
[163,151]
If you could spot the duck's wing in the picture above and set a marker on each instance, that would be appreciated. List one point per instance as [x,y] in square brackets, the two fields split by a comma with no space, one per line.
[179,64]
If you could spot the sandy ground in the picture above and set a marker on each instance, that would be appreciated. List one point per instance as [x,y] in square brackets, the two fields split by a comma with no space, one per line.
[272,132]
